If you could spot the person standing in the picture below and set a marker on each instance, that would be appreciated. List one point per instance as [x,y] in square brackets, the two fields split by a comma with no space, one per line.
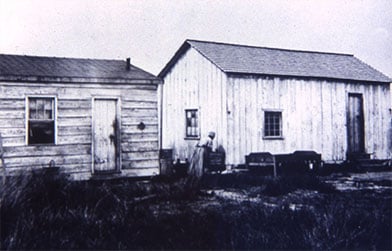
[199,159]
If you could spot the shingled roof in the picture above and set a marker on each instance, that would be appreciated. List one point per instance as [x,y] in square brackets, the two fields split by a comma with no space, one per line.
[34,67]
[243,59]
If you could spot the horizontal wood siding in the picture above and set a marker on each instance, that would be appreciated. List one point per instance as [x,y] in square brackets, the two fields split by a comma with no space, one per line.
[313,113]
[139,148]
[193,83]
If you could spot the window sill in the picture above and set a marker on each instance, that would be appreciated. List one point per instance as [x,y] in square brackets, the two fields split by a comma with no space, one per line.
[273,138]
[42,144]
[192,138]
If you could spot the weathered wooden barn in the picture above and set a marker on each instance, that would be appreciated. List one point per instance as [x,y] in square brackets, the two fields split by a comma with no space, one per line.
[261,99]
[87,117]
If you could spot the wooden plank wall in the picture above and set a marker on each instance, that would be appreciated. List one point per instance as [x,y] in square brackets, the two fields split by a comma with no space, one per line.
[73,149]
[313,112]
[193,83]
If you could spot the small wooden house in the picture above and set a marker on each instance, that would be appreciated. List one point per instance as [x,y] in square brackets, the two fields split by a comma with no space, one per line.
[85,116]
[261,99]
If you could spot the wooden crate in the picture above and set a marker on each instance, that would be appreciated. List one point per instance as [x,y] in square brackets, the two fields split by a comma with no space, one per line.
[216,161]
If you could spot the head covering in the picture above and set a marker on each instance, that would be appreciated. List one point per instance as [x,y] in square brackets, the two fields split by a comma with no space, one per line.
[211,134]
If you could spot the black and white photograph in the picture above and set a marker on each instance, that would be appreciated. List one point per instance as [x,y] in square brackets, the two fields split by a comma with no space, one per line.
[196,125]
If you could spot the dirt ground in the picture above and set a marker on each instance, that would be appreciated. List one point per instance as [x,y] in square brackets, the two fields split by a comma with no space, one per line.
[370,182]
[361,181]
[379,183]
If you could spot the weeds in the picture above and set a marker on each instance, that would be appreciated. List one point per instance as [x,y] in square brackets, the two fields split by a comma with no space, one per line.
[46,212]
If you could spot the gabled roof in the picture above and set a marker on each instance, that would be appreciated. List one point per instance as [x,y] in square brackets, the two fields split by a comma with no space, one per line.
[34,67]
[243,59]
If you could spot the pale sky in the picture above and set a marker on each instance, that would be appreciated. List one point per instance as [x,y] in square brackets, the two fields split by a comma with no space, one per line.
[150,31]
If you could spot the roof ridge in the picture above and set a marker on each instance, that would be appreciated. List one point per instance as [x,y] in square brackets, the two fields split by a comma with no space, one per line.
[56,57]
[269,48]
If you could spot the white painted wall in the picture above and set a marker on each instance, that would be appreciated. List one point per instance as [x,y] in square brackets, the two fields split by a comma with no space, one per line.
[313,111]
[313,114]
[193,83]
[138,103]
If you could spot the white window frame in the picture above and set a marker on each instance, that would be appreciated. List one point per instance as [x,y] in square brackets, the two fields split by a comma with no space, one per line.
[27,118]
[198,123]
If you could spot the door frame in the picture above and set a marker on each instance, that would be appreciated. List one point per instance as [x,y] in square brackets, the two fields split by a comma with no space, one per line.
[348,114]
[118,138]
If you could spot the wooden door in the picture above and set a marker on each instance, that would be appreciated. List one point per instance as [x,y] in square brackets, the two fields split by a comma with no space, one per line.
[355,124]
[105,135]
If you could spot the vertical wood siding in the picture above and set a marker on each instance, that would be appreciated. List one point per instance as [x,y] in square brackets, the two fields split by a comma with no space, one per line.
[314,112]
[194,83]
[314,116]
[139,148]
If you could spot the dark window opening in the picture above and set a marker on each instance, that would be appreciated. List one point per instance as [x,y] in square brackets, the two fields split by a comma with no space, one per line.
[273,124]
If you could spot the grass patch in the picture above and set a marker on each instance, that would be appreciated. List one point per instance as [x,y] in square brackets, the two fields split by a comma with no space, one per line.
[50,212]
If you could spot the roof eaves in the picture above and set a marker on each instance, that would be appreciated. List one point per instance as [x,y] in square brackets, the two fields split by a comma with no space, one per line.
[308,77]
[75,79]
[146,72]
[183,48]
[387,78]
[205,55]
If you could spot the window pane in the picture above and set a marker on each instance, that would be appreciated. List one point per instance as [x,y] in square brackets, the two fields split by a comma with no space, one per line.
[40,109]
[272,124]
[41,132]
[192,123]
[48,106]
[32,108]
[41,121]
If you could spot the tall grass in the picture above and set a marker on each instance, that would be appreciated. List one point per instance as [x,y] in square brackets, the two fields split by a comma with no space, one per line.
[50,212]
